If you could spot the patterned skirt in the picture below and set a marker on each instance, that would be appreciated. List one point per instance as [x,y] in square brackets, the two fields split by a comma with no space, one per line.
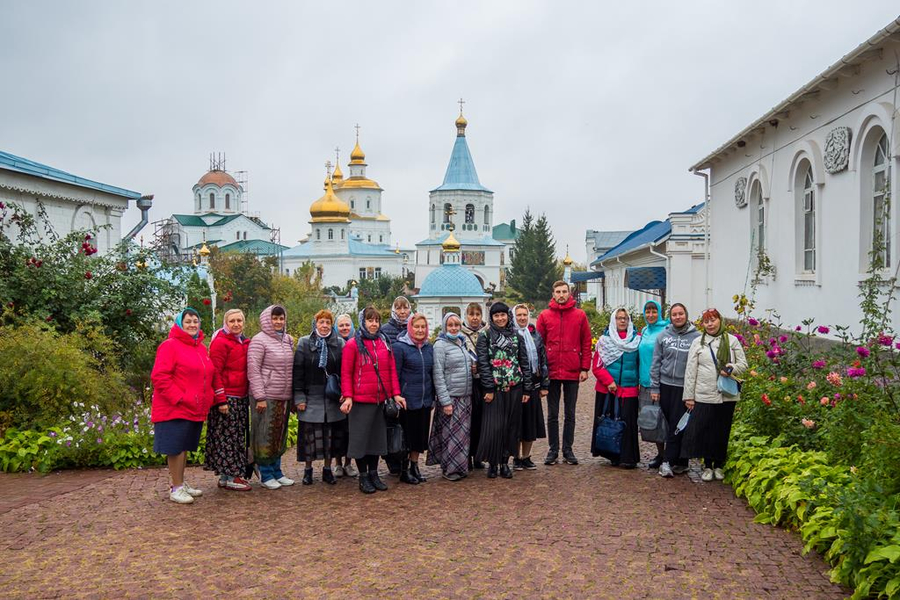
[228,438]
[450,436]
[320,441]
[268,431]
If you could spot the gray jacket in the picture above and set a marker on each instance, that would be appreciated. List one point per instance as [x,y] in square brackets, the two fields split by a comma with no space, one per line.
[670,356]
[452,371]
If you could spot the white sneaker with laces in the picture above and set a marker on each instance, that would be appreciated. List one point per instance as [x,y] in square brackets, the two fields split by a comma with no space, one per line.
[271,484]
[707,475]
[180,496]
[350,470]
[338,471]
[285,480]
[665,470]
[194,492]
[719,474]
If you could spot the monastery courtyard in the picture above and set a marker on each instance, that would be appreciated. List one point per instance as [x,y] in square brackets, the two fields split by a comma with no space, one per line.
[586,531]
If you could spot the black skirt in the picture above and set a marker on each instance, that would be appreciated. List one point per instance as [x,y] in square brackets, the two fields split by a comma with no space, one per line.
[176,436]
[477,408]
[500,423]
[533,427]
[368,430]
[707,432]
[416,427]
[628,412]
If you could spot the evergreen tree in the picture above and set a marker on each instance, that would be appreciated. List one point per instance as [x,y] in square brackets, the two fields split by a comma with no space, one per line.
[533,268]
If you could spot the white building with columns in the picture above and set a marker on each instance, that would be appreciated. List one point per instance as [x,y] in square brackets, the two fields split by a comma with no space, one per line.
[803,190]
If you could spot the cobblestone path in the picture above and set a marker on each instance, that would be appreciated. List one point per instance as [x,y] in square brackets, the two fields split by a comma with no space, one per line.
[586,531]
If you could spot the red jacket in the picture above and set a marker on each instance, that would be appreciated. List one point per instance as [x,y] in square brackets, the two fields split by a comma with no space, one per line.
[183,377]
[567,335]
[229,356]
[358,379]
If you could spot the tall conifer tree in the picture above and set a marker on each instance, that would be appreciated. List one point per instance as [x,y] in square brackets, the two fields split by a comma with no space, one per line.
[534,267]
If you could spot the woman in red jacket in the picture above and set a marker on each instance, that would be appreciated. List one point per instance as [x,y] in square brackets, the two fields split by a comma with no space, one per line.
[368,378]
[183,383]
[228,422]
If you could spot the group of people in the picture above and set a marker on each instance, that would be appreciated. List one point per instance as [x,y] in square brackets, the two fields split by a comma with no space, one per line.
[470,400]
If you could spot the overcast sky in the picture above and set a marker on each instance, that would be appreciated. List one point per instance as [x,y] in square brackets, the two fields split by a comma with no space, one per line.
[587,112]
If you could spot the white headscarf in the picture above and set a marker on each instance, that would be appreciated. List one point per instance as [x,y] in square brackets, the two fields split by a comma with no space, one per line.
[525,334]
[611,346]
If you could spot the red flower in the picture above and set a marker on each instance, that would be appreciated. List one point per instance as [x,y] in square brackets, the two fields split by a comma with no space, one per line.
[128,312]
[88,275]
[766,401]
[207,301]
[48,319]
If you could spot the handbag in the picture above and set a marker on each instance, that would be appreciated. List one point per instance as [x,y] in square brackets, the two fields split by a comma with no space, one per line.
[609,431]
[652,424]
[727,386]
[395,439]
[332,386]
[391,408]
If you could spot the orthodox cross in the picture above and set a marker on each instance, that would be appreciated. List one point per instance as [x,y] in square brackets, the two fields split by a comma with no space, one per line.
[449,211]
[328,168]
[337,155]
[356,127]
[461,102]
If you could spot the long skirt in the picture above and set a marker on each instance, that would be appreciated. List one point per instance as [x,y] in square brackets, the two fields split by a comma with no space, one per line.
[416,424]
[533,418]
[673,408]
[321,441]
[500,422]
[228,438]
[268,431]
[707,433]
[368,430]
[449,443]
[628,412]
[477,409]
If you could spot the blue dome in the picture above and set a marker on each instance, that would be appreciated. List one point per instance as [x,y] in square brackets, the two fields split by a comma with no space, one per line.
[451,280]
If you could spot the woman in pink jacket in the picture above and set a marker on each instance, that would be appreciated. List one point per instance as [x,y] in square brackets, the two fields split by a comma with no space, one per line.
[270,365]
[183,389]
[368,378]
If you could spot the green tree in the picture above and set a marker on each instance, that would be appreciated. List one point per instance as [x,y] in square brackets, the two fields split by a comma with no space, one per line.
[242,280]
[533,267]
[380,292]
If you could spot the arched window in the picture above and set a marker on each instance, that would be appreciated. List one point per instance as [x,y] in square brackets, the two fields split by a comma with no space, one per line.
[318,234]
[487,215]
[447,208]
[370,238]
[245,235]
[808,210]
[212,201]
[757,218]
[198,202]
[352,203]
[380,239]
[881,214]
[470,213]
[227,201]
[433,211]
[331,234]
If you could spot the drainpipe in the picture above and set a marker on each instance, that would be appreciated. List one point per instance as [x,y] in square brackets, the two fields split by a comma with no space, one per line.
[143,203]
[668,270]
[708,210]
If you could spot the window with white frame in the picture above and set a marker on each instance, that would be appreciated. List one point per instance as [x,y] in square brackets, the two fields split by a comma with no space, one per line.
[881,215]
[433,212]
[758,218]
[212,201]
[331,234]
[487,215]
[227,201]
[808,210]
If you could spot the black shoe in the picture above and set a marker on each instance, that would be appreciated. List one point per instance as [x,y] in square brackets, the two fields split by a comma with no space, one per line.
[517,464]
[477,464]
[470,464]
[307,476]
[551,459]
[365,484]
[528,464]
[377,482]
[414,471]
[570,459]
[656,462]
[407,477]
[505,471]
[614,463]
[393,465]
[328,476]
[492,472]
[628,465]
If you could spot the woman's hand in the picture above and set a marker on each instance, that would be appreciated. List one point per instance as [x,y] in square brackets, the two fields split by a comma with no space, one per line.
[401,401]
[448,410]
[223,408]
[544,393]
[689,404]
[654,397]
[261,406]
[489,397]
[525,398]
[346,405]
[612,387]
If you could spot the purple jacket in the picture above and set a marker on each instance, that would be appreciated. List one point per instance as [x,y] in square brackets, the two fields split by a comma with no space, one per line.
[270,362]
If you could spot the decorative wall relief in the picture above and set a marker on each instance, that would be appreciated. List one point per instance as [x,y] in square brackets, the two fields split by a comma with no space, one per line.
[837,149]
[740,192]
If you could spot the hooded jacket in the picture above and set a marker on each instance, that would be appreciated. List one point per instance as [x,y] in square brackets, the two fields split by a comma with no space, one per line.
[670,356]
[452,368]
[309,379]
[228,353]
[567,337]
[184,378]
[648,343]
[701,375]
[270,361]
[415,364]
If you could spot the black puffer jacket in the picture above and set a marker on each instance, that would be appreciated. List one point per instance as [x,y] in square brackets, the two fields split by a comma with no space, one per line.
[309,380]
[484,349]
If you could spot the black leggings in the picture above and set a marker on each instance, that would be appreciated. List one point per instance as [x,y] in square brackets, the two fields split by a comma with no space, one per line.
[367,463]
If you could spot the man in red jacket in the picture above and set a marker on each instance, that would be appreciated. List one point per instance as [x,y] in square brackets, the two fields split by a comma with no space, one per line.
[567,336]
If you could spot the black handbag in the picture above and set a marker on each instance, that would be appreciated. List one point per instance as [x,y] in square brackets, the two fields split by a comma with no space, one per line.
[609,431]
[391,408]
[395,439]
[332,387]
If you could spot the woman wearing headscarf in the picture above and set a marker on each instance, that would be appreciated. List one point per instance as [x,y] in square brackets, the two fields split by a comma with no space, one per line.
[184,384]
[322,426]
[532,426]
[228,423]
[715,353]
[414,356]
[615,365]
[449,442]
[368,378]
[506,379]
[471,327]
[667,382]
[655,325]
[270,363]
[344,326]
[396,325]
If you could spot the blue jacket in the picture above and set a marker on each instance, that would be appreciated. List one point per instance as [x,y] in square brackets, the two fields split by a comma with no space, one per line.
[393,330]
[625,369]
[648,342]
[414,369]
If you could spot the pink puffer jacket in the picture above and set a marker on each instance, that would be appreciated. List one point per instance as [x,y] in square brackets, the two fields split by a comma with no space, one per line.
[270,361]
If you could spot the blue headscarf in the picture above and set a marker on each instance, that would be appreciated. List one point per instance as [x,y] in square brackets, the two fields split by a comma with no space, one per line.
[648,342]
[180,318]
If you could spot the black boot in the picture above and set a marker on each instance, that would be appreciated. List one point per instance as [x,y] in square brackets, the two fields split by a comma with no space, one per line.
[405,475]
[307,476]
[365,484]
[505,471]
[328,476]
[377,482]
[414,471]
[477,464]
[492,472]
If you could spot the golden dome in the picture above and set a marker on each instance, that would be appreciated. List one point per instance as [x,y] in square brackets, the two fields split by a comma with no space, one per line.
[362,183]
[357,157]
[329,208]
[568,259]
[204,250]
[451,244]
[337,177]
[461,123]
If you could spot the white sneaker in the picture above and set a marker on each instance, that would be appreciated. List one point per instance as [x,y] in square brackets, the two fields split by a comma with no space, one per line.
[350,470]
[285,480]
[271,484]
[665,470]
[181,496]
[719,474]
[338,471]
[191,490]
[707,475]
